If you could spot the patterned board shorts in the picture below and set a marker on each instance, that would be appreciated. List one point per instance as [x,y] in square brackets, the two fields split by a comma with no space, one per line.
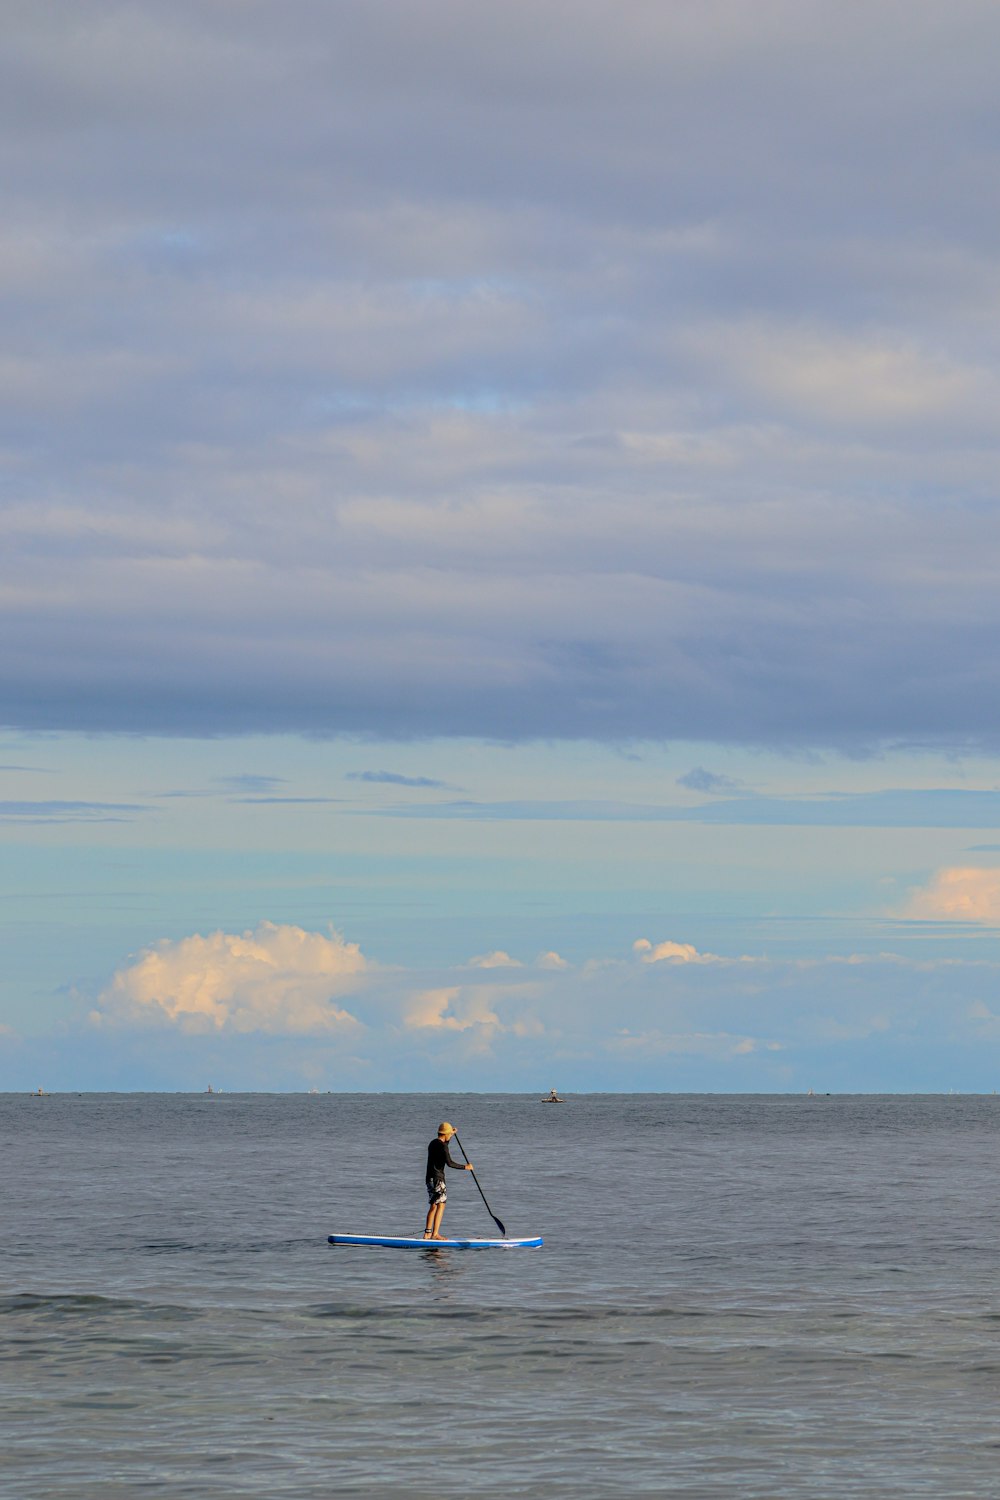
[437,1192]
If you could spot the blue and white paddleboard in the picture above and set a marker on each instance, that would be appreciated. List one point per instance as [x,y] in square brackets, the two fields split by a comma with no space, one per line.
[416,1243]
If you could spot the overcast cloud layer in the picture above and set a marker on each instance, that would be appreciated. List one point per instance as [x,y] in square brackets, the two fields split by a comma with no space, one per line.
[522,370]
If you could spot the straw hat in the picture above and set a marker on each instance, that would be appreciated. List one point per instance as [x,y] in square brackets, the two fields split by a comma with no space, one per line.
[445,1129]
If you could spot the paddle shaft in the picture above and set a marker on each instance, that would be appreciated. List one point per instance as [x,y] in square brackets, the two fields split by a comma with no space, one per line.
[481,1193]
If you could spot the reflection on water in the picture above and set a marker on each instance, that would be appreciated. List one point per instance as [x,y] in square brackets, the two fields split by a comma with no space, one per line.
[446,1269]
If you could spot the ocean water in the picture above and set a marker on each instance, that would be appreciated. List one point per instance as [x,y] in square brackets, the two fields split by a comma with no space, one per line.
[738,1296]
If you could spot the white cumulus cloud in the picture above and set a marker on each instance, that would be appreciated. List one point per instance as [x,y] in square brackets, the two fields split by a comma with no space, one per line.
[476,1016]
[495,960]
[668,952]
[276,979]
[958,894]
[451,1009]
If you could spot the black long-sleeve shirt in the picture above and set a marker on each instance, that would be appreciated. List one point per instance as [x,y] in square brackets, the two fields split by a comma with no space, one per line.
[438,1158]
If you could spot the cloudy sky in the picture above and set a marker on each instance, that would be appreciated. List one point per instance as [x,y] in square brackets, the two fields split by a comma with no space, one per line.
[498,544]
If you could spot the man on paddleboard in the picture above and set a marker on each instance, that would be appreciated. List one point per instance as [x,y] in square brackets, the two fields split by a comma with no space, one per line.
[438,1157]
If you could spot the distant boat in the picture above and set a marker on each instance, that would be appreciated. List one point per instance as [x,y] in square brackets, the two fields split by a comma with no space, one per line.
[552,1098]
[811,1093]
[210,1090]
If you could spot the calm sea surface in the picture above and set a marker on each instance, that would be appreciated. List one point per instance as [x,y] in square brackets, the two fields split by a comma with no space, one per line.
[740,1296]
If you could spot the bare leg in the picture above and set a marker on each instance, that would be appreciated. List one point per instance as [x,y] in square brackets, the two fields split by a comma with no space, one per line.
[433,1225]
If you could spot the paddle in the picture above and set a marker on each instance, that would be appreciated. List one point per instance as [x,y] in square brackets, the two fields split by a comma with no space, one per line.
[481,1193]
